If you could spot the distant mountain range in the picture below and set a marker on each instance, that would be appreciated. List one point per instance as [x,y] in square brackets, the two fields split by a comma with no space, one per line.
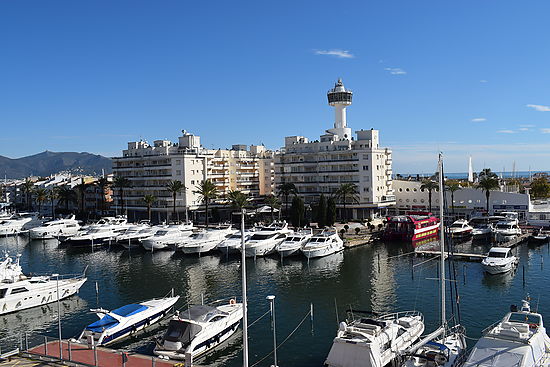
[48,163]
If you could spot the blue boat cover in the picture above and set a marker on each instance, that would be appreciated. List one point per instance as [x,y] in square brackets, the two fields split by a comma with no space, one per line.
[107,321]
[438,345]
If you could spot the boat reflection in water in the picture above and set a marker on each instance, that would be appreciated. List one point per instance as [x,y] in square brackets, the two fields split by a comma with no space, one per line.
[327,266]
[499,281]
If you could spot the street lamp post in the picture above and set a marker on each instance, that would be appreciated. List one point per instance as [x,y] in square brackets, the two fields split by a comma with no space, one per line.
[59,316]
[243,268]
[271,300]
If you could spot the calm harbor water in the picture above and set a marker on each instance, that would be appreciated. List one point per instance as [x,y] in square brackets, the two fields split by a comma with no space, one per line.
[353,278]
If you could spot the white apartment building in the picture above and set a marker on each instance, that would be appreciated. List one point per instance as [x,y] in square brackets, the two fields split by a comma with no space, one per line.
[151,167]
[321,166]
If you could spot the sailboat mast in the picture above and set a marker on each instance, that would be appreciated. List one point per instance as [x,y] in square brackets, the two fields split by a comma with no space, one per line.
[442,241]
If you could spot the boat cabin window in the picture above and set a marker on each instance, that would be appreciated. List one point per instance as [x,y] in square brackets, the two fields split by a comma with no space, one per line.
[259,237]
[524,318]
[237,235]
[3,292]
[456,225]
[161,233]
[281,235]
[498,254]
[19,290]
[293,239]
[504,226]
[216,318]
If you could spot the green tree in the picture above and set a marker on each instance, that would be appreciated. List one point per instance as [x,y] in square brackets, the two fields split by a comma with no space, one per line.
[41,195]
[27,187]
[285,190]
[487,183]
[430,186]
[486,172]
[273,202]
[121,183]
[331,211]
[297,211]
[237,199]
[149,200]
[103,184]
[175,187]
[322,211]
[452,187]
[66,196]
[81,191]
[540,188]
[347,192]
[207,191]
[52,196]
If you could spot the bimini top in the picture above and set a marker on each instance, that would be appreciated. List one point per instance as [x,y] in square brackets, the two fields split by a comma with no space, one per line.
[107,321]
[200,313]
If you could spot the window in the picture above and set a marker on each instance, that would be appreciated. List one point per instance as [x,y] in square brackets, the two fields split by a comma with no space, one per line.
[19,290]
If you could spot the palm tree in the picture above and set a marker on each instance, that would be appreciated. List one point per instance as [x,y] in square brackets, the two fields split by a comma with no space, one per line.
[430,186]
[121,183]
[81,190]
[65,196]
[27,188]
[207,191]
[273,202]
[237,199]
[41,196]
[452,188]
[487,183]
[103,184]
[347,191]
[486,172]
[175,187]
[149,200]
[52,196]
[286,189]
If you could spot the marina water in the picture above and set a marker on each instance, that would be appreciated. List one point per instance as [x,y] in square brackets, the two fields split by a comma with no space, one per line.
[373,277]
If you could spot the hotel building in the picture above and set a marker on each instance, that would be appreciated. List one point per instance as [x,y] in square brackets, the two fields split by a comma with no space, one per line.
[322,166]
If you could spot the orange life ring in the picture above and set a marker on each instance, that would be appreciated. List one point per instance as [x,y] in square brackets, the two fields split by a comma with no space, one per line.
[232,301]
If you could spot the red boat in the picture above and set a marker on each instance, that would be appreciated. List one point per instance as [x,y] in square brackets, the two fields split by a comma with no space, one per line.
[411,227]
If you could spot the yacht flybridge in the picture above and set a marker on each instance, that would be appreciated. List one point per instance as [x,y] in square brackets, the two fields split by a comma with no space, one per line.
[19,292]
[518,340]
[199,329]
[266,239]
[125,321]
[374,341]
[56,228]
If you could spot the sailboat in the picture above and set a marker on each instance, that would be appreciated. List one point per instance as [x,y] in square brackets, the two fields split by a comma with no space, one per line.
[446,346]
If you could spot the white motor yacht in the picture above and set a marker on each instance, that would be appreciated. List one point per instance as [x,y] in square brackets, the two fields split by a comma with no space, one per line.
[19,292]
[232,244]
[199,329]
[540,235]
[483,227]
[265,239]
[18,223]
[374,342]
[294,243]
[507,230]
[132,237]
[59,227]
[167,237]
[323,244]
[518,340]
[124,321]
[104,232]
[205,241]
[460,229]
[499,260]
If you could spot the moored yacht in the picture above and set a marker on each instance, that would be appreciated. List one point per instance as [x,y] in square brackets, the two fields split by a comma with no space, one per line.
[205,241]
[133,235]
[18,223]
[482,227]
[507,230]
[518,340]
[19,292]
[460,229]
[102,233]
[414,226]
[124,321]
[265,239]
[294,242]
[323,244]
[167,237]
[540,235]
[374,341]
[59,227]
[232,244]
[197,330]
[499,260]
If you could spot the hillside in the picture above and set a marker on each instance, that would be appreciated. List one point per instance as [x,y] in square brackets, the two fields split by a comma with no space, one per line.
[47,163]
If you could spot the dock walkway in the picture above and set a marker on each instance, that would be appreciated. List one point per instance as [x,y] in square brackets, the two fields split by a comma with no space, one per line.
[81,355]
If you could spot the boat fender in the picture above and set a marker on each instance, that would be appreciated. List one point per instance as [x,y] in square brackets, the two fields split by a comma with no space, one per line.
[232,301]
[342,326]
[533,326]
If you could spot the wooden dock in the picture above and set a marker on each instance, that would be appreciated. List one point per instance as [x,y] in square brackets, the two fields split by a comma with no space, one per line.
[80,355]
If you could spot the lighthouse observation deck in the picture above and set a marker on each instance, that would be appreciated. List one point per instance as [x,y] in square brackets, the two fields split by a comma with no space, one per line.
[339,94]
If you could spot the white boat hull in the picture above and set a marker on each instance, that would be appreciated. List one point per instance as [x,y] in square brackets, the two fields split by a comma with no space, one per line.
[199,248]
[320,252]
[498,269]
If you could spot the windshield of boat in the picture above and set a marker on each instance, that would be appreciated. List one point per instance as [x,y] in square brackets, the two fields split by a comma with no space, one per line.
[497,254]
[161,233]
[456,225]
[524,318]
[504,226]
[260,237]
[294,239]
[95,230]
[318,240]
[181,331]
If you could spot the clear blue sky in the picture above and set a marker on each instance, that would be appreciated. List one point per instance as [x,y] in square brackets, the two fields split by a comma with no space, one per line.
[463,77]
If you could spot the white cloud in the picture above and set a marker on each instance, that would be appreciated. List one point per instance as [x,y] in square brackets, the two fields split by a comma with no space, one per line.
[483,81]
[527,125]
[479,119]
[538,107]
[506,131]
[545,130]
[342,54]
[523,129]
[396,71]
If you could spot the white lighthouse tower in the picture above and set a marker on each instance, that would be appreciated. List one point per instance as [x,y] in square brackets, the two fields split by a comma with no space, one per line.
[340,98]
